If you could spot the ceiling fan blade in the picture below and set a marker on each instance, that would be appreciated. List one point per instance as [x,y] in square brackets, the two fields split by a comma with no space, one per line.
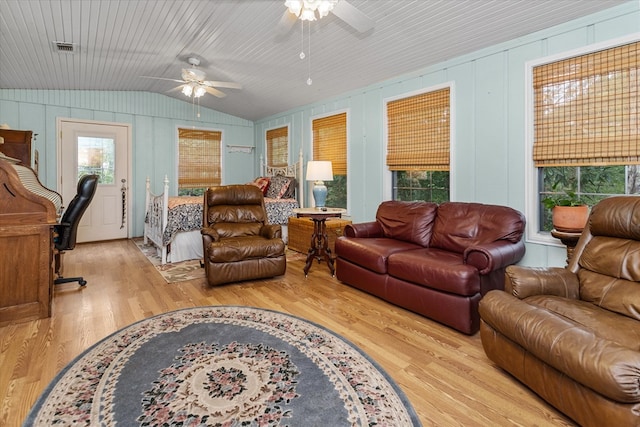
[215,92]
[285,24]
[175,89]
[162,78]
[352,16]
[230,85]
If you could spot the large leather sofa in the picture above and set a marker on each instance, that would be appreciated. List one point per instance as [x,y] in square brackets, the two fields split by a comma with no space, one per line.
[572,334]
[435,260]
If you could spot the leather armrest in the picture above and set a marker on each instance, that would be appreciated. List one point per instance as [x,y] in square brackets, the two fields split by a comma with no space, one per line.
[363,229]
[523,282]
[494,256]
[271,231]
[211,233]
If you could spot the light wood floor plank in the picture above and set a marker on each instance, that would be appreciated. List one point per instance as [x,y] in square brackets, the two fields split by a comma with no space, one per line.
[445,374]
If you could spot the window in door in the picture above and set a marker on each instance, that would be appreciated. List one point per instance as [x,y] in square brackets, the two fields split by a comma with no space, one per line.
[418,146]
[586,126]
[330,143]
[199,161]
[97,156]
[277,141]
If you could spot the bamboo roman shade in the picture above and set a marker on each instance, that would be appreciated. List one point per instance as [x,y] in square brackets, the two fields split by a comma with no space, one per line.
[198,158]
[278,147]
[330,141]
[419,132]
[586,109]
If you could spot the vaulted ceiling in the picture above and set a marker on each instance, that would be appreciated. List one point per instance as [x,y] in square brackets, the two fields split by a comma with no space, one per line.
[116,43]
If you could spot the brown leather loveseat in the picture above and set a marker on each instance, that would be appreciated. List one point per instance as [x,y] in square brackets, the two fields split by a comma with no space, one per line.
[238,242]
[572,334]
[435,260]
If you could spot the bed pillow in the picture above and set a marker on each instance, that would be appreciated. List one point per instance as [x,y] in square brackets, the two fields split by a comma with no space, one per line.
[291,191]
[278,187]
[262,182]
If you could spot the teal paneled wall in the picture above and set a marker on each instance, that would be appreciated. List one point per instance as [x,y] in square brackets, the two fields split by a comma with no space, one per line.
[488,152]
[154,120]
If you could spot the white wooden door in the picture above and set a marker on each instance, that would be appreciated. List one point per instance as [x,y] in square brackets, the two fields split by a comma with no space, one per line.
[87,147]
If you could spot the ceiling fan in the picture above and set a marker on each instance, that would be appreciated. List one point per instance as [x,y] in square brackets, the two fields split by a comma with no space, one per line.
[194,83]
[311,10]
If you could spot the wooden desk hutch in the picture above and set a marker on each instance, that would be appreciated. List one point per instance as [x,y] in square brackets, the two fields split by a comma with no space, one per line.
[17,144]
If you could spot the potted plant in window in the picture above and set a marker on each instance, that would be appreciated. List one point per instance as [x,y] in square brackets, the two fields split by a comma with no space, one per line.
[569,213]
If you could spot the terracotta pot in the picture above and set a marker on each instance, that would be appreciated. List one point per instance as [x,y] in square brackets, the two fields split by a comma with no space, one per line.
[570,219]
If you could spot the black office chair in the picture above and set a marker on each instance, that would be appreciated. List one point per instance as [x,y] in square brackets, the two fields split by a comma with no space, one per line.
[65,232]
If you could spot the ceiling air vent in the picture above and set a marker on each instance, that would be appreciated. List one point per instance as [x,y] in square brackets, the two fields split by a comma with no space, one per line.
[64,47]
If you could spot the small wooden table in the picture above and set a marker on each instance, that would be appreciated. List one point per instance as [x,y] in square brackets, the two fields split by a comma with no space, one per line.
[570,240]
[319,239]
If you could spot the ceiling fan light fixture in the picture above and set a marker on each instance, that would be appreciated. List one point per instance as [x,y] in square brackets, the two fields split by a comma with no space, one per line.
[199,91]
[306,10]
[325,7]
[295,6]
[307,15]
[187,90]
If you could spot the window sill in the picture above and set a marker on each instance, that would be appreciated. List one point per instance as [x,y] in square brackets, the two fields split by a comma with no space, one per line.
[542,238]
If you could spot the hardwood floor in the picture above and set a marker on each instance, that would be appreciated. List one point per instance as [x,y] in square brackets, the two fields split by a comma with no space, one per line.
[445,374]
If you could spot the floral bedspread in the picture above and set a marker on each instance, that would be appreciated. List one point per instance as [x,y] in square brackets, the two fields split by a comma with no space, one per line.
[182,217]
[279,210]
[187,216]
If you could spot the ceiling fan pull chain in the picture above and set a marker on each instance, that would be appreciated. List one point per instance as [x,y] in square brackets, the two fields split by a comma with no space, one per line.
[302,55]
[309,81]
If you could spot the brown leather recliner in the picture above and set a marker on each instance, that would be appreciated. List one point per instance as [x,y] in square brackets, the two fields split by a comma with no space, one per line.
[572,334]
[238,242]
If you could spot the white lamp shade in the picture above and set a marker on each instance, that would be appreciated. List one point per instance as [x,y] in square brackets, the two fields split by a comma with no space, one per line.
[319,170]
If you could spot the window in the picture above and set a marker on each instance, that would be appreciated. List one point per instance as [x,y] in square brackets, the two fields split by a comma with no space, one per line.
[585,126]
[199,161]
[278,147]
[330,143]
[418,141]
[97,156]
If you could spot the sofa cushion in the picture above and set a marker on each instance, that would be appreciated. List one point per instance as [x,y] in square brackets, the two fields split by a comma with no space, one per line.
[235,249]
[616,216]
[407,221]
[237,229]
[460,225]
[619,295]
[371,253]
[437,269]
[604,323]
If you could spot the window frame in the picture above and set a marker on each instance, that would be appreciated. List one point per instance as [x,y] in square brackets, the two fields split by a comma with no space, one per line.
[387,186]
[175,187]
[309,184]
[532,208]
[266,148]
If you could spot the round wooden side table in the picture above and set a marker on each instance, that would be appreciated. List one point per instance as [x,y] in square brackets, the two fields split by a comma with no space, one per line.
[319,239]
[570,240]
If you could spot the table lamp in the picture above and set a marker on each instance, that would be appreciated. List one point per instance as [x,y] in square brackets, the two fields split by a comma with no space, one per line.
[319,171]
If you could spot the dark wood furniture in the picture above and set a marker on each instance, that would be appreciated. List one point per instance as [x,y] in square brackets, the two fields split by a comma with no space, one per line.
[17,144]
[568,239]
[26,250]
[319,239]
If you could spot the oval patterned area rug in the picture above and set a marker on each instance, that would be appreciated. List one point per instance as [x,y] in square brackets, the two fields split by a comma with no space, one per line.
[223,366]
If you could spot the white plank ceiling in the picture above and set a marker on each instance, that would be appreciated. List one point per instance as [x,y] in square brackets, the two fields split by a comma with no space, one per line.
[116,42]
